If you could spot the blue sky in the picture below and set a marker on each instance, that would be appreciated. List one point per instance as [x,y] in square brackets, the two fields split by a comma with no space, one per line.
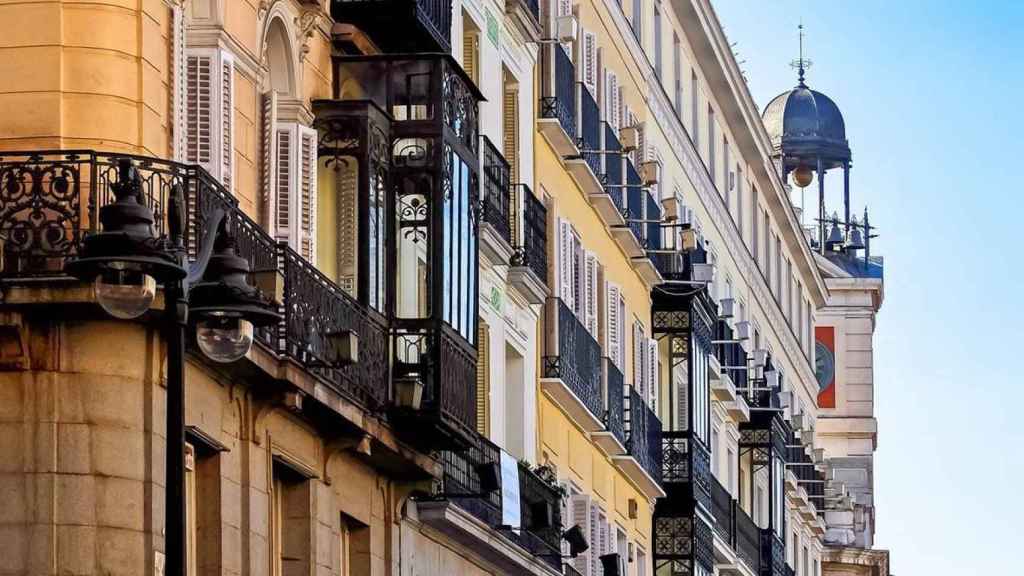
[931,94]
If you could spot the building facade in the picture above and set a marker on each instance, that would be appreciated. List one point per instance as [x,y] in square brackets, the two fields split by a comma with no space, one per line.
[545,306]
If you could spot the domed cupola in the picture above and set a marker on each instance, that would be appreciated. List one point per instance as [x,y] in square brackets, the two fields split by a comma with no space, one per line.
[804,124]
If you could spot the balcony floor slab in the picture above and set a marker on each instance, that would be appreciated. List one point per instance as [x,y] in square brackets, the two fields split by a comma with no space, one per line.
[644,481]
[556,136]
[561,394]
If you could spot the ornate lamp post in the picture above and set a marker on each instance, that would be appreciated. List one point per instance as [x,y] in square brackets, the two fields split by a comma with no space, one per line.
[127,260]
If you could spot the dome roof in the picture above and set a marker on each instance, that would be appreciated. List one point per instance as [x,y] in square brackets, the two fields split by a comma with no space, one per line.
[804,123]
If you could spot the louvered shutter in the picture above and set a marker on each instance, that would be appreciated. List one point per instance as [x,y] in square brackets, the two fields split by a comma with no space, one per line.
[565,9]
[346,185]
[590,62]
[268,170]
[179,85]
[471,55]
[639,354]
[582,515]
[613,328]
[565,256]
[510,129]
[199,117]
[641,151]
[612,114]
[483,388]
[227,121]
[567,522]
[619,105]
[307,191]
[590,309]
[283,208]
[601,540]
[654,379]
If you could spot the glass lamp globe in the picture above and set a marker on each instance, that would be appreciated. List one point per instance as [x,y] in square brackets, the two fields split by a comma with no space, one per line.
[802,175]
[224,338]
[124,291]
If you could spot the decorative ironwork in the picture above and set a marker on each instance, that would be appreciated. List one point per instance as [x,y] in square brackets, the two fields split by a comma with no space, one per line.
[748,540]
[577,358]
[400,25]
[773,554]
[634,211]
[460,484]
[722,510]
[675,457]
[613,168]
[615,398]
[560,103]
[644,435]
[589,129]
[460,107]
[531,239]
[497,188]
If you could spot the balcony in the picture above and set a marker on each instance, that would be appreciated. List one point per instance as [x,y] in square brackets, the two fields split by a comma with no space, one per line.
[496,207]
[612,439]
[557,121]
[608,201]
[459,508]
[652,241]
[643,459]
[429,138]
[529,271]
[747,539]
[571,369]
[525,15]
[400,25]
[49,202]
[631,233]
[585,168]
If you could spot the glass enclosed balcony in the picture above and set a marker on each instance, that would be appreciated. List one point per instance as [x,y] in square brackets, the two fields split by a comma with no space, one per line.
[400,25]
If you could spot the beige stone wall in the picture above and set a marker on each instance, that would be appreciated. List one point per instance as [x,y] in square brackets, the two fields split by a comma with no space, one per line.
[85,74]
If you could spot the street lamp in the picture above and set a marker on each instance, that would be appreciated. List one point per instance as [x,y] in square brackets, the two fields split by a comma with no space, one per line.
[127,260]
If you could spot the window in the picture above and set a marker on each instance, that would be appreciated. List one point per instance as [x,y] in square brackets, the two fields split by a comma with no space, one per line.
[470,49]
[641,562]
[353,546]
[714,451]
[695,110]
[510,124]
[614,329]
[730,470]
[739,201]
[293,197]
[677,74]
[202,501]
[755,213]
[520,421]
[637,20]
[712,145]
[290,509]
[759,511]
[657,39]
[622,548]
[803,560]
[767,249]
[459,250]
[778,267]
[726,176]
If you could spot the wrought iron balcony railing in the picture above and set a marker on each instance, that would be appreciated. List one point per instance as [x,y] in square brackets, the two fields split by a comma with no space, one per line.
[748,540]
[643,435]
[731,354]
[559,101]
[400,25]
[613,168]
[652,229]
[634,202]
[538,533]
[615,400]
[723,509]
[49,201]
[589,129]
[574,357]
[531,233]
[496,191]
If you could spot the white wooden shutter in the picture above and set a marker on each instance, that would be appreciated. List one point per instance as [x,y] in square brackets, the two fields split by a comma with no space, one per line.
[565,255]
[612,114]
[268,128]
[613,329]
[619,106]
[209,116]
[582,515]
[639,354]
[590,309]
[284,209]
[227,121]
[601,541]
[654,378]
[590,62]
[179,85]
[307,191]
[199,117]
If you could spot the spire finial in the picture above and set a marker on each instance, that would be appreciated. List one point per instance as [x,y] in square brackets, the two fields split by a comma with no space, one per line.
[801,64]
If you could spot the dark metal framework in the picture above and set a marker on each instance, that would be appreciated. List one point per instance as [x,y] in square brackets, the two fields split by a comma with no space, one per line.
[496,206]
[684,518]
[614,400]
[531,236]
[573,355]
[400,25]
[763,440]
[558,76]
[433,213]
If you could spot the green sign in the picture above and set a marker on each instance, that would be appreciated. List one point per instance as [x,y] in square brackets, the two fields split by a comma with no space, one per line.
[496,299]
[492,29]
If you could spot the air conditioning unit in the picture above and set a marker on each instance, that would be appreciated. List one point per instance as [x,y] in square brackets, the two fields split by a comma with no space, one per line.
[650,172]
[702,272]
[818,455]
[688,239]
[566,29]
[785,399]
[732,180]
[759,356]
[798,421]
[741,330]
[771,378]
[629,136]
[727,305]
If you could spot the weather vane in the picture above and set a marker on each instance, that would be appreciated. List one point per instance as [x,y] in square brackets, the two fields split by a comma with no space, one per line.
[801,64]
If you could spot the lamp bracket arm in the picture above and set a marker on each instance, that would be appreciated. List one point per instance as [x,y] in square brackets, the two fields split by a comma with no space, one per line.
[209,235]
